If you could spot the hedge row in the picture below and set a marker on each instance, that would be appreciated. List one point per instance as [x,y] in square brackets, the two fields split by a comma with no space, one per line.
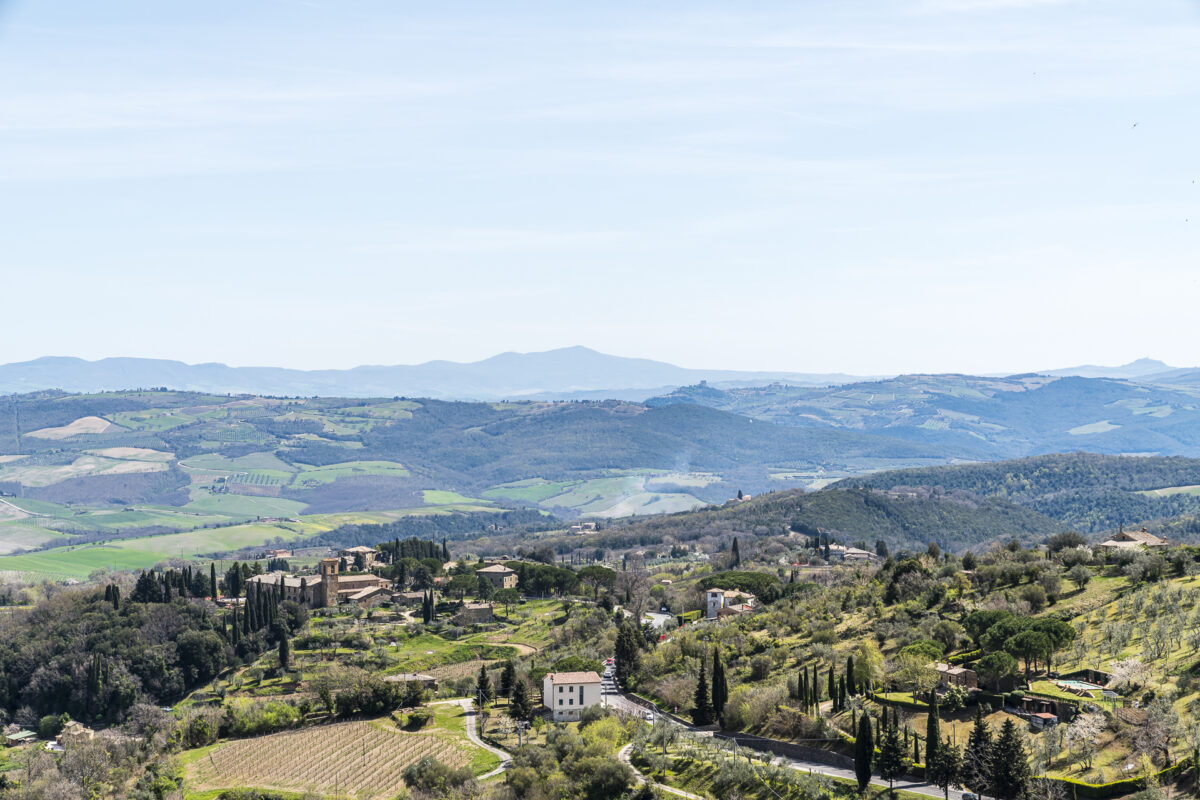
[961,657]
[1100,791]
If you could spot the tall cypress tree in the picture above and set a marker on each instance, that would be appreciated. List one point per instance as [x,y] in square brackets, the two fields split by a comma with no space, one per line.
[842,693]
[892,760]
[1010,764]
[832,688]
[212,580]
[720,686]
[977,758]
[737,554]
[851,689]
[702,714]
[816,687]
[484,691]
[285,652]
[933,735]
[864,752]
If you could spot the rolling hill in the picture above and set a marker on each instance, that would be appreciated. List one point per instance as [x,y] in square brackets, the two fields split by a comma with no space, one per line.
[998,418]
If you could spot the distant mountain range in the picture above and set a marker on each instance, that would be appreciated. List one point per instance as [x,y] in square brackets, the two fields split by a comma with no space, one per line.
[564,374]
[571,373]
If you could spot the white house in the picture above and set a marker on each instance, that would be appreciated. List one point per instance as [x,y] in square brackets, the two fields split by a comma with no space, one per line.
[568,693]
[723,602]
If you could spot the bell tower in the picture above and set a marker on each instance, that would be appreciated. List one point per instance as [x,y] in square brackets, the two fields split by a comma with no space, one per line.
[329,581]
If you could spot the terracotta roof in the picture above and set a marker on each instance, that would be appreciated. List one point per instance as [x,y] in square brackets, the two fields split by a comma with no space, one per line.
[573,677]
[496,568]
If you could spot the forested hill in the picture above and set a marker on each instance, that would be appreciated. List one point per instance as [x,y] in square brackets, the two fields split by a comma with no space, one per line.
[1087,491]
[954,522]
[1015,416]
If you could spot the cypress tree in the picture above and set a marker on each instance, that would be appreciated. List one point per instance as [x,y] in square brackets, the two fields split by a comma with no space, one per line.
[508,678]
[801,689]
[851,689]
[285,652]
[917,751]
[816,687]
[977,758]
[1010,764]
[933,736]
[520,708]
[832,688]
[737,555]
[720,686]
[108,592]
[892,761]
[116,598]
[702,714]
[864,753]
[484,692]
[842,693]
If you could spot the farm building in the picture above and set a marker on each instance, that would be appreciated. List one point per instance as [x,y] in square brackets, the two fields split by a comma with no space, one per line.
[1125,540]
[500,576]
[566,694]
[19,737]
[473,613]
[427,681]
[74,733]
[952,675]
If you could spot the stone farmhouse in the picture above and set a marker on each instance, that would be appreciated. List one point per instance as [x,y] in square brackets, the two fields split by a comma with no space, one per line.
[500,576]
[1125,540]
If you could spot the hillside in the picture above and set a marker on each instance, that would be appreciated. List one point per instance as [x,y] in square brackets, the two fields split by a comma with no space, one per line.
[1008,417]
[1089,492]
[956,522]
[175,474]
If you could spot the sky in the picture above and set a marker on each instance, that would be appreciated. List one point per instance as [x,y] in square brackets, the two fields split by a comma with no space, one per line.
[841,186]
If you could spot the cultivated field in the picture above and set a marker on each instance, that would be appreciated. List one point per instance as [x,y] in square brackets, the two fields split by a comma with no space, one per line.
[616,496]
[359,759]
[83,425]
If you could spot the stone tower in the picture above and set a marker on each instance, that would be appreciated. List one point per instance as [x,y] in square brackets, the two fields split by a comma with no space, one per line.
[329,582]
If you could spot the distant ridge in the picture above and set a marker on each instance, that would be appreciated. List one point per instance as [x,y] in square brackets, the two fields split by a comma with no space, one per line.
[1140,368]
[565,373]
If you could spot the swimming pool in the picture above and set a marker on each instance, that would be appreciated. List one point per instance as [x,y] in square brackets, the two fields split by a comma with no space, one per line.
[1082,686]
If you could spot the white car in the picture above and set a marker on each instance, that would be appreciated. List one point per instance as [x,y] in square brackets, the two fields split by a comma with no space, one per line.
[649,716]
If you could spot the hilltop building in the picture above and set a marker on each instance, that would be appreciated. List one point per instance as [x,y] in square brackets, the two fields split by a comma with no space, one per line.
[566,694]
[368,555]
[328,588]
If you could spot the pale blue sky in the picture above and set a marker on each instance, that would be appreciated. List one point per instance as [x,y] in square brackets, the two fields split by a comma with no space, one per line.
[910,185]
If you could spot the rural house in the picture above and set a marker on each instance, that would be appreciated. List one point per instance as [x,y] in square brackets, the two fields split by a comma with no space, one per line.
[566,694]
[473,613]
[725,602]
[952,675]
[1124,540]
[500,576]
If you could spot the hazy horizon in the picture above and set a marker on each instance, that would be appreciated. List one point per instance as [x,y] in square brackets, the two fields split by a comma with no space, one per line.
[973,186]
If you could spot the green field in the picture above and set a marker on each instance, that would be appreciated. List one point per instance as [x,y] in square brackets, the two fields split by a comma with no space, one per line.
[315,476]
[16,536]
[240,505]
[1170,490]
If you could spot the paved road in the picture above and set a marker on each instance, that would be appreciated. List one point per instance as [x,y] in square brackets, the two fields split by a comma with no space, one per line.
[615,699]
[468,707]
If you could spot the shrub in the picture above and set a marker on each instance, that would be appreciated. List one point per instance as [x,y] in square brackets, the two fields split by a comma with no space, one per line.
[418,718]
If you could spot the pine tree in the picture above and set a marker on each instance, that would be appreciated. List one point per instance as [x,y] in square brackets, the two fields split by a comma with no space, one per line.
[1010,764]
[977,758]
[720,686]
[851,689]
[864,753]
[946,769]
[484,691]
[285,652]
[933,736]
[892,760]
[508,677]
[520,708]
[702,714]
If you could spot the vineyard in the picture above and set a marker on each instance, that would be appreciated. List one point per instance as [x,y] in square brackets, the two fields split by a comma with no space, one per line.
[362,759]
